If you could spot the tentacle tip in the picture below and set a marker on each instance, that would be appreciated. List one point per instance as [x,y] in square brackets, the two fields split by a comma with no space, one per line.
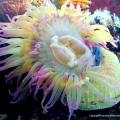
[71,110]
[35,96]
[45,111]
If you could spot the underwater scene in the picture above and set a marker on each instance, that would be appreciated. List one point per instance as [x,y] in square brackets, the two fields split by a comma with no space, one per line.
[59,59]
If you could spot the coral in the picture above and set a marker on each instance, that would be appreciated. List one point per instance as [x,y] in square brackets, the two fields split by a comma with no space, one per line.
[12,7]
[111,5]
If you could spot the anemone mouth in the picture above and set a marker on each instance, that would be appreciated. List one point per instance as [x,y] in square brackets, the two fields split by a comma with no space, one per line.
[67,50]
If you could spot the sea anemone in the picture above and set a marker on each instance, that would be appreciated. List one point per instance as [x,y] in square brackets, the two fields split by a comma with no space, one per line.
[49,45]
[82,3]
[111,21]
[105,17]
[37,2]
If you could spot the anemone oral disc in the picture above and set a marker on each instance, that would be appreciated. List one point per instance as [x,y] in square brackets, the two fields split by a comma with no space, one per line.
[67,50]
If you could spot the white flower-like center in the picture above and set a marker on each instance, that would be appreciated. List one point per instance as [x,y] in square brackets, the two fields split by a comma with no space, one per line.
[67,50]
